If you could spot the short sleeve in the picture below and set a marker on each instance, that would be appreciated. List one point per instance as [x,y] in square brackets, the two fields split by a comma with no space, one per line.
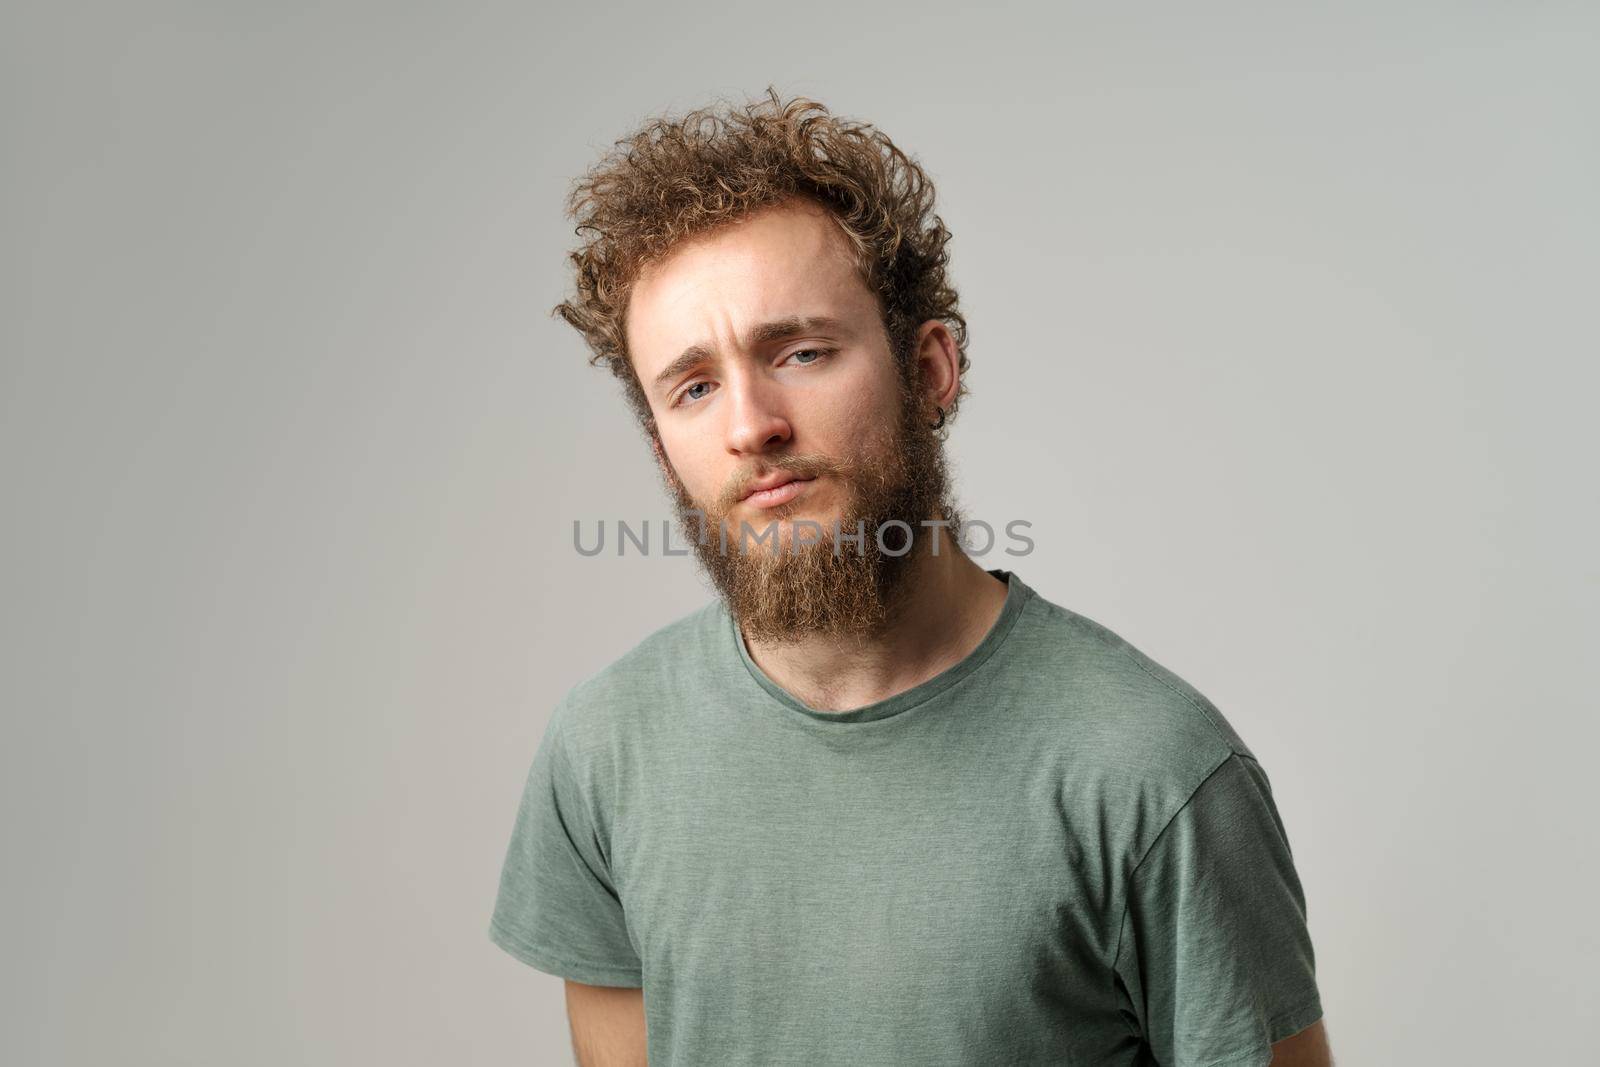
[558,910]
[1215,957]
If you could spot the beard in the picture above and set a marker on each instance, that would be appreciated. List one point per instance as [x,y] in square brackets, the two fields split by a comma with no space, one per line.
[790,587]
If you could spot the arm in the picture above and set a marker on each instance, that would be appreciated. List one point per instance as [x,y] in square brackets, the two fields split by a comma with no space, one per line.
[607,1025]
[1308,1048]
[1216,958]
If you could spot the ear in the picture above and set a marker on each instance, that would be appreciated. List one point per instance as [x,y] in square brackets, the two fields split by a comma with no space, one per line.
[938,361]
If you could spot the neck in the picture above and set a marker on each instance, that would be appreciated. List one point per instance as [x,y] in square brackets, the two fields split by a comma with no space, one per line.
[943,608]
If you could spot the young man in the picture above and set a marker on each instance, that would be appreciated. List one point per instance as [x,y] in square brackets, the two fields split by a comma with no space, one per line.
[875,804]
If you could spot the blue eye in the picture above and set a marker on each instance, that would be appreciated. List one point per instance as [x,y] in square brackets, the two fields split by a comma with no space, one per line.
[690,394]
[816,354]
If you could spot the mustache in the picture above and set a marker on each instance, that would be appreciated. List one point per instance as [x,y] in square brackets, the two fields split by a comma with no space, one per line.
[803,466]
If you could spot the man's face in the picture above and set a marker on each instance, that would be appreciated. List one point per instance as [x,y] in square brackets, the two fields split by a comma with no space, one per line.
[764,359]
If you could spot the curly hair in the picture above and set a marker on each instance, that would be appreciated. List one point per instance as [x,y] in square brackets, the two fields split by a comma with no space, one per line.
[674,179]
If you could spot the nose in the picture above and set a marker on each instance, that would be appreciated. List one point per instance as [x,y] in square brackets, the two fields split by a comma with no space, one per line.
[755,420]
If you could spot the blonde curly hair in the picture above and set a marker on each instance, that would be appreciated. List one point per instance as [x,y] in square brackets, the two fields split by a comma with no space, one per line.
[673,179]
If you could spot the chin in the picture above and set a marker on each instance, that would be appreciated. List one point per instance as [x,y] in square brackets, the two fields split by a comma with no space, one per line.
[785,517]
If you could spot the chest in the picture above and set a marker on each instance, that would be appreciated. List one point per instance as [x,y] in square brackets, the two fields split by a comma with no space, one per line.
[945,891]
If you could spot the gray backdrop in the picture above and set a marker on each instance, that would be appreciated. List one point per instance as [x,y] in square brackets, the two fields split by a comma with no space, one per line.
[1282,338]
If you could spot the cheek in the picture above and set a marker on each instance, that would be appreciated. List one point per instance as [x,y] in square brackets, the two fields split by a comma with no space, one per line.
[696,466]
[856,404]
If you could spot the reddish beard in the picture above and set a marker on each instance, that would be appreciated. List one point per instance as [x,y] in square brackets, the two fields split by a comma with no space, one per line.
[787,587]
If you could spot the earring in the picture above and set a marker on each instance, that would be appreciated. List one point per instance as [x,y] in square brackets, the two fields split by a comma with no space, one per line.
[940,424]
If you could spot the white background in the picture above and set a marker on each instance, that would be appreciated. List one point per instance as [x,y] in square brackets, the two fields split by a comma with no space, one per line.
[1283,338]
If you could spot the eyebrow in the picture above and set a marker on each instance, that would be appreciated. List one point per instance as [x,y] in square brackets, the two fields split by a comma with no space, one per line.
[760,334]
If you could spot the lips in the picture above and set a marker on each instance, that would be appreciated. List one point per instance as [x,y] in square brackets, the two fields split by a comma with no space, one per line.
[775,490]
[771,481]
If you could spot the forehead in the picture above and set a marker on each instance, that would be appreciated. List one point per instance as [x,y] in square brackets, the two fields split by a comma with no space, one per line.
[781,261]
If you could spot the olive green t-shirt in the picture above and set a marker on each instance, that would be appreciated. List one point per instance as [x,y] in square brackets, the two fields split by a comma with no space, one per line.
[1054,852]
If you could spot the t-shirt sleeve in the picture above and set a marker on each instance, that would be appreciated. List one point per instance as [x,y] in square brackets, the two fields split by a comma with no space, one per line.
[558,909]
[1215,958]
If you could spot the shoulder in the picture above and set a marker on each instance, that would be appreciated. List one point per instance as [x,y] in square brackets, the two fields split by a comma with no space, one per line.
[614,703]
[1137,739]
[1109,685]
